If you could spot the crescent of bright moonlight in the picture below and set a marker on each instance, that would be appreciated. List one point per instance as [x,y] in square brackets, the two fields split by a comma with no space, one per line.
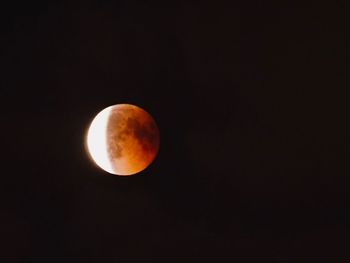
[123,139]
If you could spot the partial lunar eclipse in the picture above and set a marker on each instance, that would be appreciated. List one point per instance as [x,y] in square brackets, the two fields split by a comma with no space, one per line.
[123,139]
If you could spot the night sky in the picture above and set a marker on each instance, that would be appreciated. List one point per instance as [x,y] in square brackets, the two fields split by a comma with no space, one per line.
[252,105]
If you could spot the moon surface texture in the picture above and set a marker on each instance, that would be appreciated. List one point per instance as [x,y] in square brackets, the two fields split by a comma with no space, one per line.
[123,139]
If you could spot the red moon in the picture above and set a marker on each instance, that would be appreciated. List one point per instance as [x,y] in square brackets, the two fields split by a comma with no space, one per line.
[123,139]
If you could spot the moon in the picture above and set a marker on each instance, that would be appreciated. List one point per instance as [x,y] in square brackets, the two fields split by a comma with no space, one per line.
[123,139]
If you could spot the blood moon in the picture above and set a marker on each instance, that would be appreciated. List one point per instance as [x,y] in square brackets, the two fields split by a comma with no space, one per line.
[123,139]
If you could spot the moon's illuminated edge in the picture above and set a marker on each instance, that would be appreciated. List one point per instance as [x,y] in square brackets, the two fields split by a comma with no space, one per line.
[97,140]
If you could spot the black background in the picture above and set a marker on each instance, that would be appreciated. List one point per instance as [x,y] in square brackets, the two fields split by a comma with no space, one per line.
[251,103]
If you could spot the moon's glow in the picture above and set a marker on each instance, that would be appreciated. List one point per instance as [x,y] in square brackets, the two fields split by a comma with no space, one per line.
[97,140]
[123,139]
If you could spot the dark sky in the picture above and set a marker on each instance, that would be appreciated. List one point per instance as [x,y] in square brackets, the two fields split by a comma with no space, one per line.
[252,105]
